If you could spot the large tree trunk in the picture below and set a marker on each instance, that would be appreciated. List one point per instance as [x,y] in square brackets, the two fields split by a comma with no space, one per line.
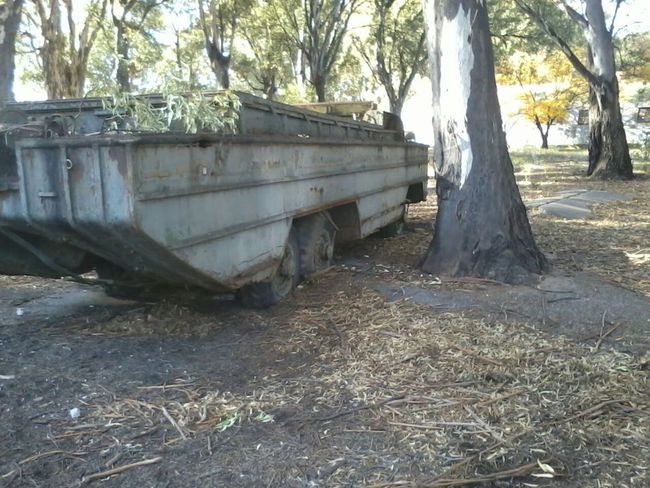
[609,154]
[319,82]
[481,228]
[220,64]
[10,12]
[396,106]
[123,74]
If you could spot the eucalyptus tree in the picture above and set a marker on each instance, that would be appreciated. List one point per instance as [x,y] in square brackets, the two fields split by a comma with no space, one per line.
[395,51]
[609,154]
[130,21]
[220,20]
[481,228]
[317,28]
[265,62]
[66,42]
[10,14]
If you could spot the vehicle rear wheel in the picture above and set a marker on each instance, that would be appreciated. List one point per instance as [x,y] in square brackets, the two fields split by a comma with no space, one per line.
[393,229]
[316,238]
[282,283]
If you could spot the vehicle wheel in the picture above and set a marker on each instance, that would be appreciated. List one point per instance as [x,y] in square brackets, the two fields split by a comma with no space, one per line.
[118,283]
[316,238]
[393,229]
[285,279]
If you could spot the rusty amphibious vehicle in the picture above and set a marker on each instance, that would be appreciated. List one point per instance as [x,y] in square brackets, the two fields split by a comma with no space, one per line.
[250,212]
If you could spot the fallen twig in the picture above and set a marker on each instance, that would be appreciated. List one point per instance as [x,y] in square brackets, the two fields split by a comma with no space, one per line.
[603,335]
[477,356]
[173,422]
[518,472]
[359,408]
[435,425]
[592,411]
[120,469]
[42,455]
[500,398]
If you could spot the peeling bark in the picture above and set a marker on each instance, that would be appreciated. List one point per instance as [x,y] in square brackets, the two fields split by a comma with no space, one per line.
[10,13]
[482,228]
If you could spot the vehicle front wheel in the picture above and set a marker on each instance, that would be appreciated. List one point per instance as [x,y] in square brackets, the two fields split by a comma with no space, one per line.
[282,283]
[316,235]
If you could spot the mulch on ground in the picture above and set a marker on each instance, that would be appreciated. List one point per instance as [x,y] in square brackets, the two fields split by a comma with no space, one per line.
[379,392]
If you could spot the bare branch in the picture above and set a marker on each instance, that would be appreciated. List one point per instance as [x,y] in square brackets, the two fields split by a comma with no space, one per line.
[611,25]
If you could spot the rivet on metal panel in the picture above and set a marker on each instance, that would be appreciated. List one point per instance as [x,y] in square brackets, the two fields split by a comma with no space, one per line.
[68,164]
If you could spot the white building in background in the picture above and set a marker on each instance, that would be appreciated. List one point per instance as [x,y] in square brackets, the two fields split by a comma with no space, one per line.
[520,132]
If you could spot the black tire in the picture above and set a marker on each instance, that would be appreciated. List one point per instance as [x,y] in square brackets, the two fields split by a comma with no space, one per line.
[393,229]
[284,281]
[119,283]
[316,236]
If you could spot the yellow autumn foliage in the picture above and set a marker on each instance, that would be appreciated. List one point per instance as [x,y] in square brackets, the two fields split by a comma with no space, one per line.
[549,85]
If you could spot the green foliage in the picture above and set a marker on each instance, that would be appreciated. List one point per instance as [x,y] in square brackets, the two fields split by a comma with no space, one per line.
[395,48]
[263,62]
[348,82]
[193,112]
[633,53]
[144,50]
[227,423]
[514,32]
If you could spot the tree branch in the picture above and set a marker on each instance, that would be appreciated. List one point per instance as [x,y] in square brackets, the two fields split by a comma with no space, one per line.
[578,65]
[575,16]
[611,25]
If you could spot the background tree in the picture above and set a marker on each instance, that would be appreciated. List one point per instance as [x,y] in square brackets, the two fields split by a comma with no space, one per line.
[633,54]
[219,21]
[609,154]
[550,88]
[317,29]
[129,19]
[10,14]
[265,63]
[395,51]
[65,49]
[513,33]
[481,228]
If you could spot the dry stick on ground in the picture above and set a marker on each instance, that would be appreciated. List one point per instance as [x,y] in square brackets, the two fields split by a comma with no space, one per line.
[592,412]
[602,331]
[42,455]
[478,455]
[357,409]
[603,335]
[105,474]
[505,396]
[174,423]
[518,472]
[478,357]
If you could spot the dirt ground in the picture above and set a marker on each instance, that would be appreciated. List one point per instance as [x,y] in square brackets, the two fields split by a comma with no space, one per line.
[371,375]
